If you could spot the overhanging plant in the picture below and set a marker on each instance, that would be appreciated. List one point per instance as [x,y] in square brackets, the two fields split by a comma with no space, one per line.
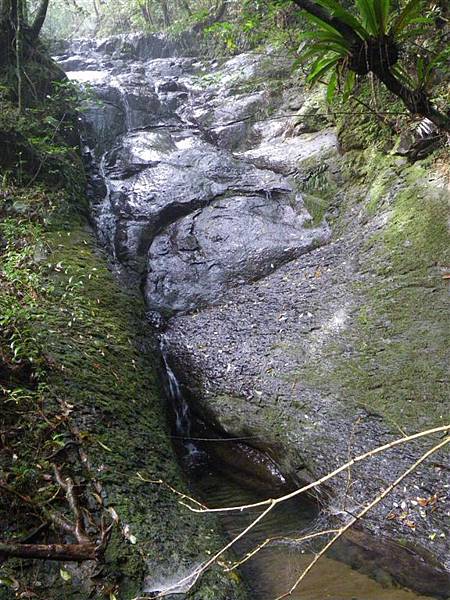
[344,45]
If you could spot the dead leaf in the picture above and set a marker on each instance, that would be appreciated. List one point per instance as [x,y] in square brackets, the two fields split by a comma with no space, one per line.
[427,501]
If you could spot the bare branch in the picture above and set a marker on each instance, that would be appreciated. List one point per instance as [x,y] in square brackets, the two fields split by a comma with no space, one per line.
[267,541]
[202,568]
[325,478]
[359,516]
[68,486]
[75,552]
[175,491]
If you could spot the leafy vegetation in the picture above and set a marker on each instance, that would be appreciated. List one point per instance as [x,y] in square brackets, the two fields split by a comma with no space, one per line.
[378,35]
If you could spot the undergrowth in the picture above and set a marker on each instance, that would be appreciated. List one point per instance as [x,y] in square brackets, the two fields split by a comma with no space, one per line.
[78,387]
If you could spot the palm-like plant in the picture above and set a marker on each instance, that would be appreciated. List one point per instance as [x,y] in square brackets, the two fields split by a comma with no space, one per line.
[377,33]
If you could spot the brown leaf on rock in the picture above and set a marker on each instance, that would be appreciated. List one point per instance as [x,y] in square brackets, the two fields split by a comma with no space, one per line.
[431,500]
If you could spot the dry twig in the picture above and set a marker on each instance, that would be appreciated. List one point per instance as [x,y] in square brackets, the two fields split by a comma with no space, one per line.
[325,478]
[267,541]
[175,491]
[365,510]
[272,502]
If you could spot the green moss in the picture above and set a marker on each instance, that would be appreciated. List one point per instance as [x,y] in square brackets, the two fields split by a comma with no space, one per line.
[401,353]
[318,186]
[98,362]
[78,366]
[359,127]
[392,357]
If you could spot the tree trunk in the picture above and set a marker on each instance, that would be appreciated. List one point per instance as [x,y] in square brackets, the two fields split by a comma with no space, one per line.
[19,53]
[8,21]
[315,9]
[17,37]
[146,12]
[213,18]
[166,14]
[417,102]
[98,17]
[39,20]
[5,9]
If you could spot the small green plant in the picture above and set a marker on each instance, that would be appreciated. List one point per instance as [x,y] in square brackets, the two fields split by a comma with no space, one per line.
[344,45]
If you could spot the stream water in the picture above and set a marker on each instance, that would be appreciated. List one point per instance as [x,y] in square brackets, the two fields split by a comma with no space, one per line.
[274,569]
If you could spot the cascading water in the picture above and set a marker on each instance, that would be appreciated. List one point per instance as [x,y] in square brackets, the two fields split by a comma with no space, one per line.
[125,103]
[183,418]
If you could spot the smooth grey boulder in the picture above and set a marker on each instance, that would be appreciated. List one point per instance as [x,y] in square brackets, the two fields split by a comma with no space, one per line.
[162,132]
[137,151]
[165,177]
[286,154]
[232,241]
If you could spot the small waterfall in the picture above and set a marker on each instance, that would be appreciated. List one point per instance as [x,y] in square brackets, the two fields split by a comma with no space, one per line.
[125,102]
[104,215]
[126,106]
[183,418]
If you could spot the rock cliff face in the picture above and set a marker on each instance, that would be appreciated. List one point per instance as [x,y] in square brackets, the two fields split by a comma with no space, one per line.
[302,286]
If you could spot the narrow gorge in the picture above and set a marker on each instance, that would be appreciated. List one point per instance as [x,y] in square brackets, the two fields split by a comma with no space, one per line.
[224,309]
[293,279]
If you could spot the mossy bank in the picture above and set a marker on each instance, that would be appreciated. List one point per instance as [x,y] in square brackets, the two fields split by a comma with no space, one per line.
[78,388]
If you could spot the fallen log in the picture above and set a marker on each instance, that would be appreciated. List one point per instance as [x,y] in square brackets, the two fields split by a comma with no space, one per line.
[75,552]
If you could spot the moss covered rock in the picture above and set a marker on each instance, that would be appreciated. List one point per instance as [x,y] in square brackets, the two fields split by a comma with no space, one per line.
[79,391]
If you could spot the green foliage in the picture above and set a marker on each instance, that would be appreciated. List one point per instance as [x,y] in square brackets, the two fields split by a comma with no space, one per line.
[373,20]
[225,33]
[422,77]
[40,144]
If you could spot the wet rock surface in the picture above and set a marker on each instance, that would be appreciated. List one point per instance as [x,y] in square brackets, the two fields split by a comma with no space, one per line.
[308,285]
[185,216]
[232,241]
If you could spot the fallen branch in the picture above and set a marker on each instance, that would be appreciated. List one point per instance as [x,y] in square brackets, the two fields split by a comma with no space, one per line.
[74,552]
[359,516]
[272,502]
[325,478]
[85,549]
[50,516]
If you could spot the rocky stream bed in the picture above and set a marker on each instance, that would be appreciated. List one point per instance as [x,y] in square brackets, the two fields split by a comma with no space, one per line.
[293,276]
